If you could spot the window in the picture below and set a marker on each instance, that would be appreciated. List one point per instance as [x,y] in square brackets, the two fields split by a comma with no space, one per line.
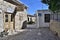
[6,18]
[39,14]
[47,17]
[28,19]
[11,17]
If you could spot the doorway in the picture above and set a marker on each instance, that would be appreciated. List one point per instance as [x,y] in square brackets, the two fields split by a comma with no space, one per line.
[9,23]
[47,18]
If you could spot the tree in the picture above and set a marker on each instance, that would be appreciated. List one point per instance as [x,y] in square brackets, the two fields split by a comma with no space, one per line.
[54,5]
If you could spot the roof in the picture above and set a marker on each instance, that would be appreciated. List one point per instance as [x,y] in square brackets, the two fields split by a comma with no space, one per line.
[15,2]
[42,10]
[8,12]
[31,15]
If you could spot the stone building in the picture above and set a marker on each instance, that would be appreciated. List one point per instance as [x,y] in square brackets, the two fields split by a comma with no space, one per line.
[31,18]
[13,15]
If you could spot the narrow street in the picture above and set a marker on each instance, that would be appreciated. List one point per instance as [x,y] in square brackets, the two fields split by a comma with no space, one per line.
[33,34]
[29,19]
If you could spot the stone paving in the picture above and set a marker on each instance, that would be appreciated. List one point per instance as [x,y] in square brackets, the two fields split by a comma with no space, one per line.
[33,34]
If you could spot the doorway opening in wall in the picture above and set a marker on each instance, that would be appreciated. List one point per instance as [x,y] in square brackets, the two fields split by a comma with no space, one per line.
[6,18]
[28,19]
[47,18]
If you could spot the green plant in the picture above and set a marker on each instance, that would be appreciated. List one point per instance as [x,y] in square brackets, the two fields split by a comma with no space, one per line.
[54,5]
[30,22]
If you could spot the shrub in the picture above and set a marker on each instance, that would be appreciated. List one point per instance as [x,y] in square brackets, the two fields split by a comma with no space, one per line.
[30,22]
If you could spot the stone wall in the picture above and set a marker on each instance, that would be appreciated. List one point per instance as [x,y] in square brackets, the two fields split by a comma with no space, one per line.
[20,17]
[1,22]
[5,7]
[55,24]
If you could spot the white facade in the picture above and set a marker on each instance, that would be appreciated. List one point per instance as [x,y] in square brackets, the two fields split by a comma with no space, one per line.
[41,18]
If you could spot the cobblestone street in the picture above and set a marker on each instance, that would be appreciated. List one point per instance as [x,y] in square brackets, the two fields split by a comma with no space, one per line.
[33,34]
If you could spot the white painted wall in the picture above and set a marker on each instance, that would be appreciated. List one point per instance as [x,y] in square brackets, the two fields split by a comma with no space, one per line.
[40,19]
[34,19]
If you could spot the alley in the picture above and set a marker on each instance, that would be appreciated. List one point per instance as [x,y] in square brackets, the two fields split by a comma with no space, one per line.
[33,34]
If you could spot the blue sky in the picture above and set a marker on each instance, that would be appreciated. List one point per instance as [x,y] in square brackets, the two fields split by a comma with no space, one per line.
[34,5]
